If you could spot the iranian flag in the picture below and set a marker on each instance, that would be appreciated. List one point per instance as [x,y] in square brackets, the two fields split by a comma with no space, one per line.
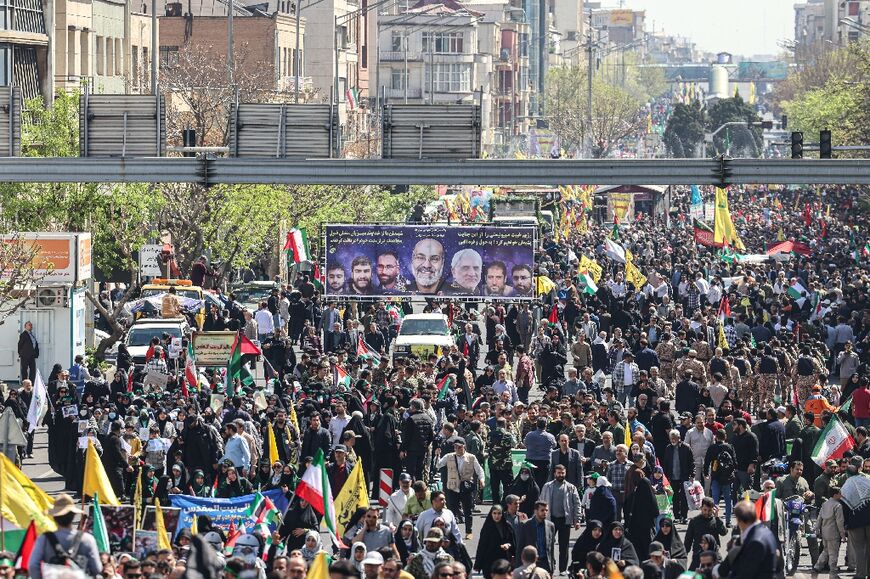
[190,374]
[765,507]
[314,488]
[342,378]
[366,352]
[833,442]
[297,244]
[589,285]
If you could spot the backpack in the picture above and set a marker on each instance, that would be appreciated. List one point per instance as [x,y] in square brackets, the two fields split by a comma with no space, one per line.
[723,466]
[67,558]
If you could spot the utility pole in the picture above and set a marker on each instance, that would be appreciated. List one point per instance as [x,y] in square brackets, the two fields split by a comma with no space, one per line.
[590,69]
[230,48]
[154,47]
[296,58]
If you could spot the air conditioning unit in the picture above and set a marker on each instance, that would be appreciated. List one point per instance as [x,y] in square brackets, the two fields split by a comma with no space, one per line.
[51,297]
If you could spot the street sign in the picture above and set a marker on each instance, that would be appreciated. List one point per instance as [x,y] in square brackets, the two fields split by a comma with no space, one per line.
[149,261]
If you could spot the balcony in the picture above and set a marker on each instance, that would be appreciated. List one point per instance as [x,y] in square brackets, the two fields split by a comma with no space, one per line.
[399,93]
[393,56]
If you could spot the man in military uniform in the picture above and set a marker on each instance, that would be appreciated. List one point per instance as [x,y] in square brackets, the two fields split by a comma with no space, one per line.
[501,464]
[767,369]
[692,363]
[667,353]
[805,374]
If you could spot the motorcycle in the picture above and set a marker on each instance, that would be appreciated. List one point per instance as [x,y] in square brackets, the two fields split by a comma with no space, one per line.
[799,524]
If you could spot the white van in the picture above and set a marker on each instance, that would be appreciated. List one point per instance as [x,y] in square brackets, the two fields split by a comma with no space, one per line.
[421,335]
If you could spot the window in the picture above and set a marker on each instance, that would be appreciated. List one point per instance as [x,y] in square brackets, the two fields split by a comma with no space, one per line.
[110,57]
[444,42]
[5,11]
[134,61]
[5,64]
[85,50]
[119,58]
[453,77]
[100,58]
[398,79]
[854,7]
[168,56]
[396,41]
[524,44]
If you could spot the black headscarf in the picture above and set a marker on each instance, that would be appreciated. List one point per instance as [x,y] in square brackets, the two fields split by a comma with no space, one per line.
[673,544]
[492,536]
[297,517]
[628,554]
[585,544]
[528,488]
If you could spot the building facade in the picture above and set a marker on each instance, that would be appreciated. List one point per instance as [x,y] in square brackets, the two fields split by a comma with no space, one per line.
[25,47]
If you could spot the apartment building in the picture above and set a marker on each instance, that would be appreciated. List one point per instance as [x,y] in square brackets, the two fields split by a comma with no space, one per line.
[25,47]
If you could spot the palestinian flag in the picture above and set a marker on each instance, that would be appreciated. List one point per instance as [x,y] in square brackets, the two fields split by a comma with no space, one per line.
[765,507]
[366,352]
[833,442]
[190,374]
[235,369]
[614,233]
[22,558]
[796,291]
[589,285]
[553,318]
[314,488]
[444,386]
[342,378]
[233,534]
[264,511]
[614,251]
[297,245]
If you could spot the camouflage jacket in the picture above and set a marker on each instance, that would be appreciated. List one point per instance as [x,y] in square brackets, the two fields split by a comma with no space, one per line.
[501,442]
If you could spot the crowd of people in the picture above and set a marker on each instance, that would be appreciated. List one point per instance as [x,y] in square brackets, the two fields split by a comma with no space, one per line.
[630,407]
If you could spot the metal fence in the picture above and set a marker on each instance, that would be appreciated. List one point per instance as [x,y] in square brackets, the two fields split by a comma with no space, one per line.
[425,131]
[283,130]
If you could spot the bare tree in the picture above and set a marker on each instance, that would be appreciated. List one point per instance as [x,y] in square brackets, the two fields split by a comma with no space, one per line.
[200,95]
[20,272]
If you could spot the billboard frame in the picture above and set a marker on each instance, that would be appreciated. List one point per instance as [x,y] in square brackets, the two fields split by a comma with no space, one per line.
[343,298]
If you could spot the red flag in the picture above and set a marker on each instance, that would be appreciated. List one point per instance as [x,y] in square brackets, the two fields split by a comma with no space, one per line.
[465,347]
[22,558]
[808,216]
[150,353]
[724,309]
[130,380]
[233,535]
[184,391]
[824,228]
[554,315]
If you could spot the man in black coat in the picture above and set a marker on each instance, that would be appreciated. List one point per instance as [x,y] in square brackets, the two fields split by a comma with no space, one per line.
[757,550]
[28,352]
[771,441]
[745,445]
[115,459]
[571,459]
[679,466]
[315,437]
[418,432]
[202,446]
[687,395]
[528,536]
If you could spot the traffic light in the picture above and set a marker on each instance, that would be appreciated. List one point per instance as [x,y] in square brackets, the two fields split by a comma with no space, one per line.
[797,145]
[783,122]
[825,144]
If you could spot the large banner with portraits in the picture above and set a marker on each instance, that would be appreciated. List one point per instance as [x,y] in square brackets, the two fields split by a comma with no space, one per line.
[429,260]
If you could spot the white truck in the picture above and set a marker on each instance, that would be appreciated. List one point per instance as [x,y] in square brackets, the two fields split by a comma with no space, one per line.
[421,335]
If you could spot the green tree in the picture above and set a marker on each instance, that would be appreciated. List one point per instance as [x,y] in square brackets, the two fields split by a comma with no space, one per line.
[685,130]
[834,106]
[615,116]
[565,103]
[739,140]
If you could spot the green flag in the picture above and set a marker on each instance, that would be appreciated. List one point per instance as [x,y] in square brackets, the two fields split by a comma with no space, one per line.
[100,533]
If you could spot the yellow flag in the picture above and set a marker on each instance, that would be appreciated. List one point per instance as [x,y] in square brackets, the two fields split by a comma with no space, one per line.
[724,232]
[780,235]
[162,535]
[137,499]
[96,479]
[632,274]
[627,434]
[194,526]
[293,420]
[273,446]
[723,342]
[319,567]
[17,506]
[544,284]
[42,500]
[353,496]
